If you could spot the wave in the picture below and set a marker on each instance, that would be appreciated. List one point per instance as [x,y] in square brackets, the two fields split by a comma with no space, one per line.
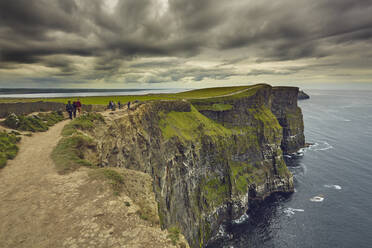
[292,211]
[322,146]
[241,219]
[318,198]
[221,233]
[333,186]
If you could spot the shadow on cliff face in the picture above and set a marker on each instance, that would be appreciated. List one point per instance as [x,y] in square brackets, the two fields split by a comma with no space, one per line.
[258,227]
[253,230]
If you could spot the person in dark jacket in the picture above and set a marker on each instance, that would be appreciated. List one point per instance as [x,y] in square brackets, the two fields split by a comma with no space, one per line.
[111,105]
[69,109]
[128,105]
[74,108]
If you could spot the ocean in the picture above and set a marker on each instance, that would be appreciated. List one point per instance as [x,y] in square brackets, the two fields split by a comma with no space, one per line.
[52,93]
[332,203]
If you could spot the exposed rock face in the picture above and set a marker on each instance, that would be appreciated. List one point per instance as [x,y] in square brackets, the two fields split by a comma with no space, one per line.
[209,158]
[289,115]
[302,95]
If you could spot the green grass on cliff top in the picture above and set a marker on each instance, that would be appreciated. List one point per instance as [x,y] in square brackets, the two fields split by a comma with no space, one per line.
[193,94]
[190,125]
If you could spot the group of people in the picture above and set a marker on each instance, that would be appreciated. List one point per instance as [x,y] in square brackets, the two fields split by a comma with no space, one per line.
[72,108]
[112,105]
[75,106]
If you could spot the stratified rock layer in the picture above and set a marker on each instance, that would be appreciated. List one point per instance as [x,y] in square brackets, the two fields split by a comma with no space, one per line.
[209,158]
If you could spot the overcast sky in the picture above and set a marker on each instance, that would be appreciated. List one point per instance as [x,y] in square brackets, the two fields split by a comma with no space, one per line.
[184,43]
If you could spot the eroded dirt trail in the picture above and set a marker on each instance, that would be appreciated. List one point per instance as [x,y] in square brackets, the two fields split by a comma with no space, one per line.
[39,208]
[23,187]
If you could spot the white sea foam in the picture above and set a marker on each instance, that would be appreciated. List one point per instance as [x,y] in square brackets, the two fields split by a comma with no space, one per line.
[291,211]
[221,233]
[304,168]
[322,146]
[333,186]
[318,198]
[241,219]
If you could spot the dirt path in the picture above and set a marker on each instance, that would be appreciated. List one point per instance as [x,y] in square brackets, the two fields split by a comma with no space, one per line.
[22,188]
[40,208]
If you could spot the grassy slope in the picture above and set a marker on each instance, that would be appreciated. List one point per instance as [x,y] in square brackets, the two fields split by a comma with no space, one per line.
[36,123]
[189,125]
[68,155]
[103,100]
[8,147]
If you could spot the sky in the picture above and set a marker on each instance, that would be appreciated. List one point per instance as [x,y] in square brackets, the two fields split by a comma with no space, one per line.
[184,43]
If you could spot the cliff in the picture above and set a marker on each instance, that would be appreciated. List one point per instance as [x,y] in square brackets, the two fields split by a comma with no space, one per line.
[209,158]
[302,95]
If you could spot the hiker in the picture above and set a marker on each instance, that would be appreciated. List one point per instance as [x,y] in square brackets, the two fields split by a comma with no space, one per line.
[128,105]
[69,109]
[74,107]
[78,106]
[119,104]
[110,105]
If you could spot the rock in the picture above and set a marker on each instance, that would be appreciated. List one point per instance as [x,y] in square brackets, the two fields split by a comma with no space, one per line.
[302,95]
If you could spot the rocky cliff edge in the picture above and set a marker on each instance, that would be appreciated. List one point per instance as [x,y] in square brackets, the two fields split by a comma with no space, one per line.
[210,158]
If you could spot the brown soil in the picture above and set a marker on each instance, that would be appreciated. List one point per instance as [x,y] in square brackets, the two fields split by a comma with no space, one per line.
[40,208]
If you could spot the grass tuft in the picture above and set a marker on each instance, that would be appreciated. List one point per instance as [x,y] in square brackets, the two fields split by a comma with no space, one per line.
[34,123]
[68,155]
[8,147]
[85,122]
[174,234]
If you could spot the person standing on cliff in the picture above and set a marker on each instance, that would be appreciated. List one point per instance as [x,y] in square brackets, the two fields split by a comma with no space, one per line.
[78,106]
[111,105]
[128,105]
[74,108]
[69,109]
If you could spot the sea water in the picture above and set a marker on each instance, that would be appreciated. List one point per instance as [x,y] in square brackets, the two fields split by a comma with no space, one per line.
[332,203]
[52,93]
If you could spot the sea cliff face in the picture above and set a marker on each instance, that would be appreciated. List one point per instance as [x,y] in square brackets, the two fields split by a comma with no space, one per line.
[210,158]
[302,95]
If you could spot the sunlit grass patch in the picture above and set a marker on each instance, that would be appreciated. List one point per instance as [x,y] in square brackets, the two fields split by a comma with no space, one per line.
[189,125]
[34,123]
[68,155]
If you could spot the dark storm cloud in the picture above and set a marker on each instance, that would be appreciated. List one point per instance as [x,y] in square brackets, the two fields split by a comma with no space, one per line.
[33,17]
[42,32]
